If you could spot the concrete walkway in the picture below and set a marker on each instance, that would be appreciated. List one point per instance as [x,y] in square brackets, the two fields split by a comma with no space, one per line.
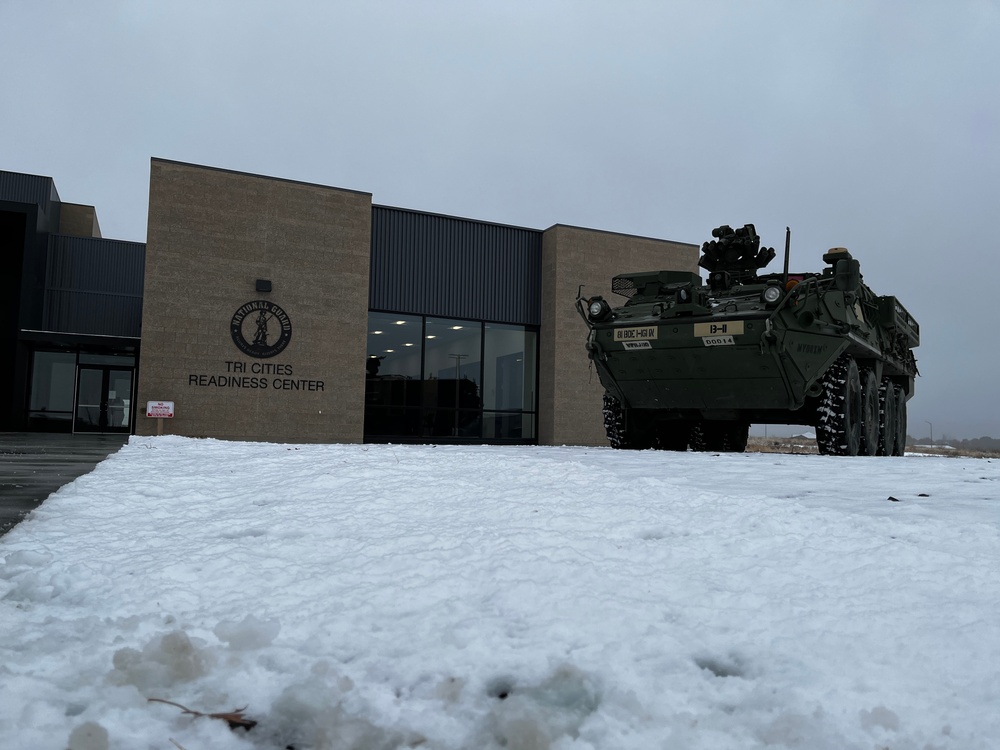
[33,465]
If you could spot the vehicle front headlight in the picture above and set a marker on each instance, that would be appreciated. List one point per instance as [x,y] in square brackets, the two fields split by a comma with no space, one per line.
[771,294]
[598,309]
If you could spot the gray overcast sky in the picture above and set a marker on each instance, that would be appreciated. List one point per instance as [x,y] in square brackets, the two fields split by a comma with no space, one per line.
[871,125]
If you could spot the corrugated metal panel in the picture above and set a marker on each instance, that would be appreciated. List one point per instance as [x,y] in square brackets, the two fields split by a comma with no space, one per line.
[94,286]
[425,264]
[27,188]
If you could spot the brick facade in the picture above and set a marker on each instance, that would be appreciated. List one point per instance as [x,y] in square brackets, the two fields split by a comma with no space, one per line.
[569,393]
[211,235]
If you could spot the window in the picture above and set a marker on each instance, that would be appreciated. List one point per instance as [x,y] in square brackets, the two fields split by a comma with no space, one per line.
[53,377]
[509,381]
[450,380]
[392,384]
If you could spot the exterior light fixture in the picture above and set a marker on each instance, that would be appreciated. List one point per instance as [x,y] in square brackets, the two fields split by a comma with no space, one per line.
[771,294]
[263,285]
[598,308]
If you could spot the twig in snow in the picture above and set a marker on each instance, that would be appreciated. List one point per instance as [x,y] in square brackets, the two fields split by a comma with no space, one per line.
[234,718]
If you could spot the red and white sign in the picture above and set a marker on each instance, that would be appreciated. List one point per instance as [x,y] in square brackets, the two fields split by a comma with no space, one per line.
[160,409]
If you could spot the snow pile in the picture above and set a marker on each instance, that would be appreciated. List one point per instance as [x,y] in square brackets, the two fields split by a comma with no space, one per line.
[373,597]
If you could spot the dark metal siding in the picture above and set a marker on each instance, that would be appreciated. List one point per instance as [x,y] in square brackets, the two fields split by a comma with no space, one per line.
[425,264]
[94,286]
[27,188]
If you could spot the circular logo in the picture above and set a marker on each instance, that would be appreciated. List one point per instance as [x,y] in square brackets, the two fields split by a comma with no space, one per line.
[261,329]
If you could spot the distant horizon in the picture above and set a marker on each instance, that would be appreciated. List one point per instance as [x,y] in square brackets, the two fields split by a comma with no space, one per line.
[788,431]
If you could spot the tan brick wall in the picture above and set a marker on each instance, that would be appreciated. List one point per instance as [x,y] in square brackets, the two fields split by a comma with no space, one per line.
[78,220]
[570,394]
[211,234]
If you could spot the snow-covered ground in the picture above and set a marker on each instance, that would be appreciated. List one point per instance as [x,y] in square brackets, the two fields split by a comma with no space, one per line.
[384,597]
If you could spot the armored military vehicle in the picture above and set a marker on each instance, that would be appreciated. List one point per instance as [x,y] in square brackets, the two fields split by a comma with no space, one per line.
[692,363]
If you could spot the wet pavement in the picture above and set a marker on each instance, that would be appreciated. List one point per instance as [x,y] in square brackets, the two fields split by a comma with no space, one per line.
[33,465]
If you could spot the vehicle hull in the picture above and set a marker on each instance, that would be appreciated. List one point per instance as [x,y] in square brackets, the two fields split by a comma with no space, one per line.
[683,362]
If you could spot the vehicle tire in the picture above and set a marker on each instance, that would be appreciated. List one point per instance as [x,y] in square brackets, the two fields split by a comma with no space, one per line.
[673,436]
[697,437]
[622,428]
[869,413]
[887,423]
[724,437]
[735,436]
[899,446]
[840,410]
[614,423]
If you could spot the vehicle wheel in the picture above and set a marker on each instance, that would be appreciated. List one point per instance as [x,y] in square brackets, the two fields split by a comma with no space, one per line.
[899,446]
[725,437]
[622,431]
[886,418]
[673,436]
[697,437]
[614,424]
[838,426]
[734,436]
[869,414]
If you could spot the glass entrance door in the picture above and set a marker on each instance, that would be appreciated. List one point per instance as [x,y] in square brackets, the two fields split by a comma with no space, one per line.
[103,400]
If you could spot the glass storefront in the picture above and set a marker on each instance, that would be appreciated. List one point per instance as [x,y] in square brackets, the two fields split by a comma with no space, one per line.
[81,392]
[509,377]
[393,381]
[103,400]
[53,376]
[443,379]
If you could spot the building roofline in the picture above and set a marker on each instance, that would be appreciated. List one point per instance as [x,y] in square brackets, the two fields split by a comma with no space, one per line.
[413,210]
[623,234]
[25,174]
[254,174]
[456,218]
